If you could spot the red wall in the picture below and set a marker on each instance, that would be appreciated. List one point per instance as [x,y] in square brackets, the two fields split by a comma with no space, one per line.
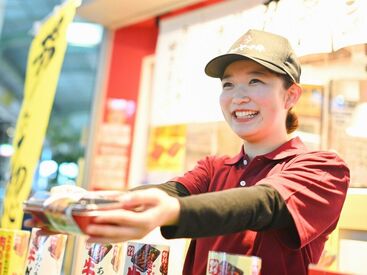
[130,45]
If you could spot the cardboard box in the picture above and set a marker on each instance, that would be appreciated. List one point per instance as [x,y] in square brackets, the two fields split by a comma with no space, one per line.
[221,263]
[45,253]
[317,270]
[101,259]
[141,259]
[13,251]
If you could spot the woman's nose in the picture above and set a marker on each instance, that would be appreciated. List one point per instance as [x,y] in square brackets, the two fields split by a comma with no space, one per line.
[240,96]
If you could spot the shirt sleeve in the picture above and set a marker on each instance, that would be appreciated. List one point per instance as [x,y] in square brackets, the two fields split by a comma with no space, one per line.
[197,180]
[172,188]
[233,210]
[314,187]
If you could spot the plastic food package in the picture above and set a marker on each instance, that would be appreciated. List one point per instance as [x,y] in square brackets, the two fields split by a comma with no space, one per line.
[70,209]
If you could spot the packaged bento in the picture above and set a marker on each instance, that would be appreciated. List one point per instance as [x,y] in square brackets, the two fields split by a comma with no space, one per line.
[70,209]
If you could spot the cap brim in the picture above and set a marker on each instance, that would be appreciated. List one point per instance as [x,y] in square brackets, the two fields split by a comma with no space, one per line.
[216,66]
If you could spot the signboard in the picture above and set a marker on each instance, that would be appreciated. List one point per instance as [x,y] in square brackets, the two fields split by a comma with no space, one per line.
[111,161]
[44,64]
[166,151]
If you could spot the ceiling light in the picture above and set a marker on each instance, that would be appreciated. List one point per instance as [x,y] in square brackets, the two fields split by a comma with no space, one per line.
[84,34]
[47,168]
[69,169]
[6,150]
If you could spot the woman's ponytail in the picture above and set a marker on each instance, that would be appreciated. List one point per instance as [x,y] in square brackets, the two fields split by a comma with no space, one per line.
[291,121]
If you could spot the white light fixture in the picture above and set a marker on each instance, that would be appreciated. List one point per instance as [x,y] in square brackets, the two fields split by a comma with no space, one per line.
[6,150]
[84,34]
[47,168]
[69,169]
[358,126]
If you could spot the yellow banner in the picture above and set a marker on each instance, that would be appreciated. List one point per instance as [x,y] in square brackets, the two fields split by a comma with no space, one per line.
[45,60]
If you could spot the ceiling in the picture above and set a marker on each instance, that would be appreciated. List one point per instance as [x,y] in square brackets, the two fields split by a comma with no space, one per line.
[116,13]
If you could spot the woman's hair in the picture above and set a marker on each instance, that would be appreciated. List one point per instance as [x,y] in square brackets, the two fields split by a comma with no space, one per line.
[291,122]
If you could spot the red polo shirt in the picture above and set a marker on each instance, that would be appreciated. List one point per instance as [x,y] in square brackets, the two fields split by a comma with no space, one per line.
[313,185]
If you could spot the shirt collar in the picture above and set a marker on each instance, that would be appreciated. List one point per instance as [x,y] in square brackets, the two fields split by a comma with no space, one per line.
[292,147]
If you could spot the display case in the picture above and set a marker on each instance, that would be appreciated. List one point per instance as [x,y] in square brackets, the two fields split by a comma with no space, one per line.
[347,126]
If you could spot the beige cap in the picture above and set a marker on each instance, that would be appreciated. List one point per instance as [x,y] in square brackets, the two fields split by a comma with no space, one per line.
[268,49]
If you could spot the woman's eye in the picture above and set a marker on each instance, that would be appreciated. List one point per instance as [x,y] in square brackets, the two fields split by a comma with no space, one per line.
[226,85]
[255,81]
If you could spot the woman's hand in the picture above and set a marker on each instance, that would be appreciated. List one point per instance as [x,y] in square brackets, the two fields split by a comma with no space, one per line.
[143,211]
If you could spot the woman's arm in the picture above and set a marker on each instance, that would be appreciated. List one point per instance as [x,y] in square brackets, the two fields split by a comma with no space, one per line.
[172,188]
[257,208]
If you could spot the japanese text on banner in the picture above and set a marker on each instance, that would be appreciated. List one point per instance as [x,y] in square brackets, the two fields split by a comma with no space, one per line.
[45,60]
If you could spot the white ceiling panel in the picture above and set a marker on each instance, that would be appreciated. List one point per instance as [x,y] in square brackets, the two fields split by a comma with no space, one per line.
[117,13]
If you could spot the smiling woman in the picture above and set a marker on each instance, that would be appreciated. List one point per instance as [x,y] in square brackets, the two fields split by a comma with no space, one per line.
[263,200]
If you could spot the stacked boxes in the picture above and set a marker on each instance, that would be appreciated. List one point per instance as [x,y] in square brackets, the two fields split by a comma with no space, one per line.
[141,259]
[13,251]
[45,254]
[221,263]
[101,258]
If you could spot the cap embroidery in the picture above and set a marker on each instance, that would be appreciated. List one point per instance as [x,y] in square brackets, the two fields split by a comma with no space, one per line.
[258,47]
[246,39]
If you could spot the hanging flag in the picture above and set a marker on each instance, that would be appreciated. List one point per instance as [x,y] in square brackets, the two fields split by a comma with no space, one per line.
[44,64]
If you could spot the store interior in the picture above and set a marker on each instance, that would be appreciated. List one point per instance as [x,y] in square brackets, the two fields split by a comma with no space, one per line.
[119,118]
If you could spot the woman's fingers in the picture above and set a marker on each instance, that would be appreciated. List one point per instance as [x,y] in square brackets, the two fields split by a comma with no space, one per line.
[123,217]
[105,240]
[116,233]
[30,223]
[142,197]
[33,223]
[142,211]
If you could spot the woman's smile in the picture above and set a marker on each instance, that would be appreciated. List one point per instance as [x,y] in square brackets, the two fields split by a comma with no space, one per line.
[244,115]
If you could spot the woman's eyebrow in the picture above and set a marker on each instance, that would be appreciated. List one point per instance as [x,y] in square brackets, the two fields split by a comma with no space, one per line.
[260,72]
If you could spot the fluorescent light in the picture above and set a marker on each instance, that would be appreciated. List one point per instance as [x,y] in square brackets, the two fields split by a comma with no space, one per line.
[69,169]
[84,34]
[47,168]
[6,150]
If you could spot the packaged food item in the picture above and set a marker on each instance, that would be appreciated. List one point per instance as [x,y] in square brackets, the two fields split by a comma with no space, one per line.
[146,259]
[13,251]
[101,258]
[317,270]
[222,263]
[69,211]
[46,253]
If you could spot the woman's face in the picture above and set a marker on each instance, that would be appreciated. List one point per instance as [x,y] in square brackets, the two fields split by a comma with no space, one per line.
[253,101]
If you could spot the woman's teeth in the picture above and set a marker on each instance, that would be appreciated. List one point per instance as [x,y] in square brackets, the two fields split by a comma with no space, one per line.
[246,114]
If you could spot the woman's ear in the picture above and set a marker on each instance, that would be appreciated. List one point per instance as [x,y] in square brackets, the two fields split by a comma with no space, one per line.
[292,95]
